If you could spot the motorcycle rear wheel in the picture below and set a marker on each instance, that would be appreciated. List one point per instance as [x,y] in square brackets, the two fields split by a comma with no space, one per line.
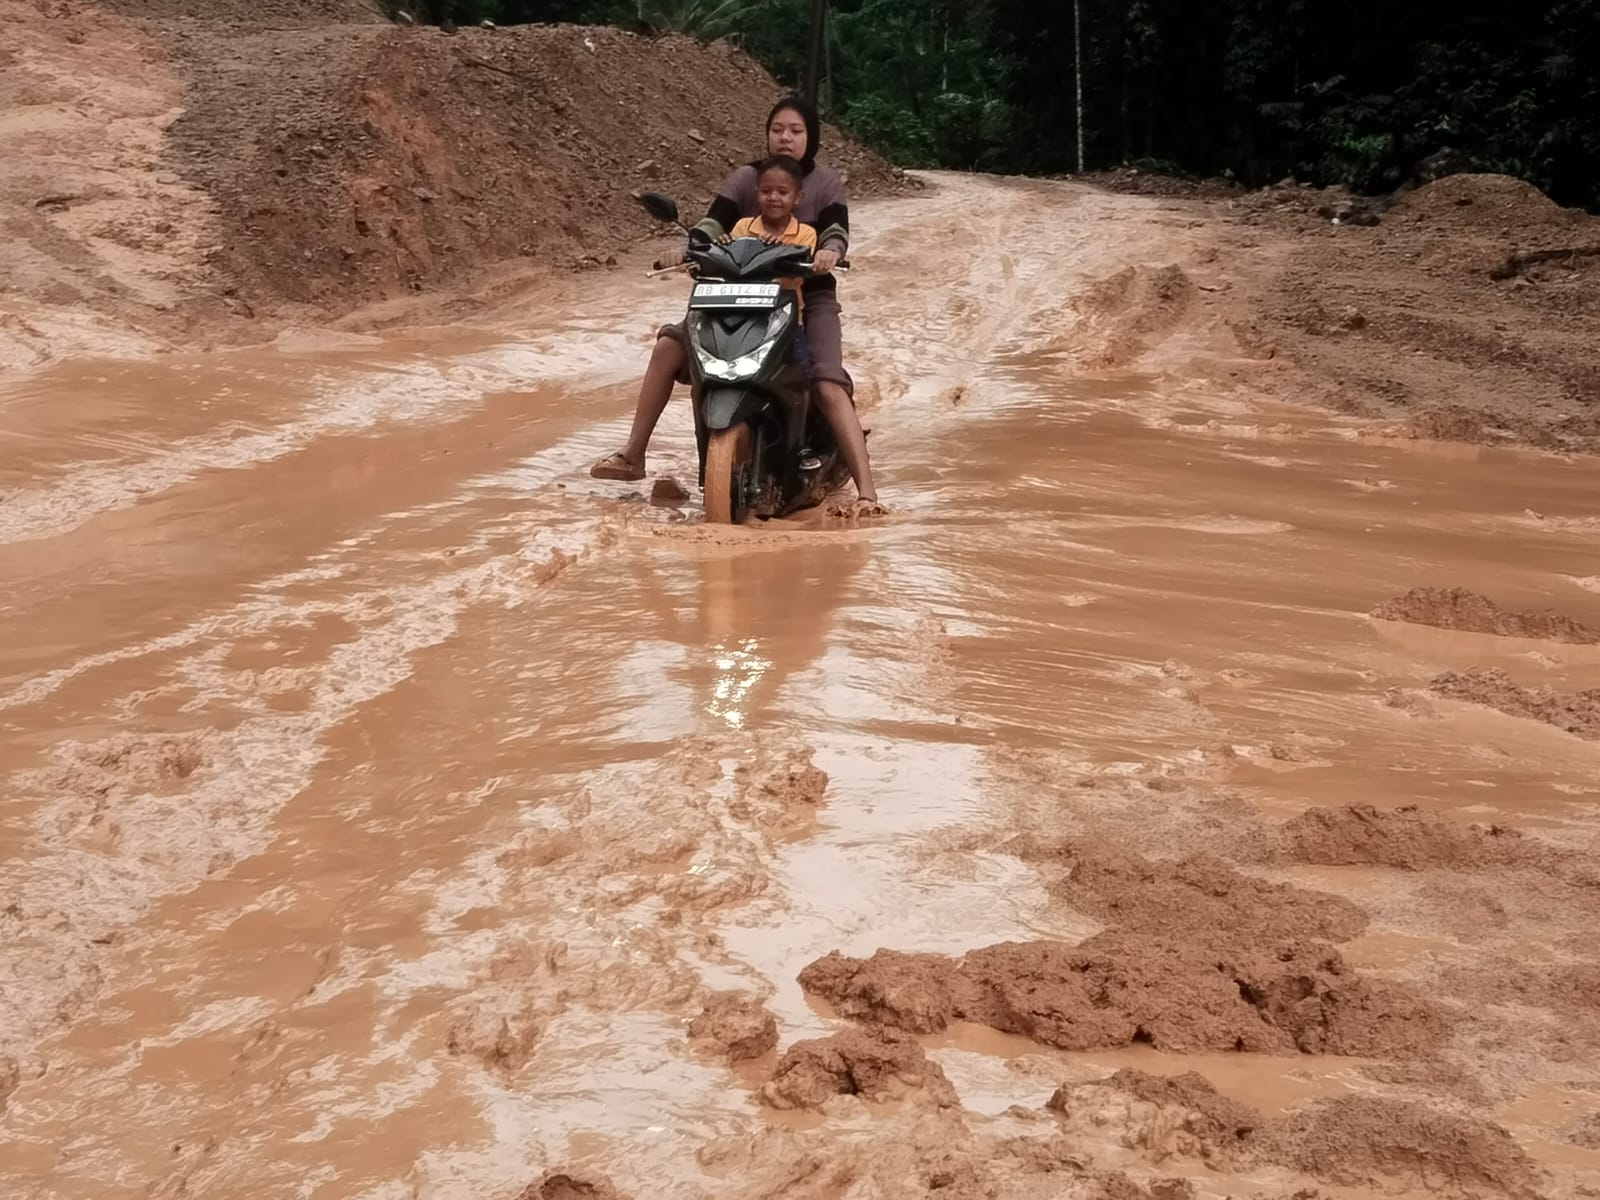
[728,476]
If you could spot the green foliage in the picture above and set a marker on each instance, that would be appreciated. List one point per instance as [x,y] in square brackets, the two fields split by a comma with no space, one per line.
[697,18]
[1356,92]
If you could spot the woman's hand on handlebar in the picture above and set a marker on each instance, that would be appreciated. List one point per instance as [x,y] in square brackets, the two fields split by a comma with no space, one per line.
[670,259]
[824,261]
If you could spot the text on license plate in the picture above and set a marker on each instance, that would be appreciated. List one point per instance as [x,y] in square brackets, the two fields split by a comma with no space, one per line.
[732,291]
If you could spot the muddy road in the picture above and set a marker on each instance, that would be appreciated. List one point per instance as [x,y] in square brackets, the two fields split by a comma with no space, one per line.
[386,800]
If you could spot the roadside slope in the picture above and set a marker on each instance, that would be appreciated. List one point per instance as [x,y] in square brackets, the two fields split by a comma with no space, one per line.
[181,179]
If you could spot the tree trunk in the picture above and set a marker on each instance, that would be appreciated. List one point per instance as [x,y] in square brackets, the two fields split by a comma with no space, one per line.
[1077,71]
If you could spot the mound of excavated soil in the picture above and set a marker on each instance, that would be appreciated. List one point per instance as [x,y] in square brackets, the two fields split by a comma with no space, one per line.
[878,1064]
[1120,988]
[1576,713]
[175,166]
[1406,838]
[735,1027]
[1475,203]
[1458,608]
[1468,313]
[428,155]
[275,13]
[1198,898]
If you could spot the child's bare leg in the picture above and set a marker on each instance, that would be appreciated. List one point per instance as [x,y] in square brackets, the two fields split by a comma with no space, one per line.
[835,404]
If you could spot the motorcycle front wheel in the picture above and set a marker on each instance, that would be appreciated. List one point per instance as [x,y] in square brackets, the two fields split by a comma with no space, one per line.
[727,485]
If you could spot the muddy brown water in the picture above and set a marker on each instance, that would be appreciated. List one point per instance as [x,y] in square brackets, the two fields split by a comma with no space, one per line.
[337,700]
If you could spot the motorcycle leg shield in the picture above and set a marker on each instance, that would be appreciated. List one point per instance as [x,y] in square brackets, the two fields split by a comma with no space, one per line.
[726,407]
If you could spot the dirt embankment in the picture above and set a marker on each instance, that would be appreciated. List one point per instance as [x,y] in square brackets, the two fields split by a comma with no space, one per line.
[187,173]
[1468,308]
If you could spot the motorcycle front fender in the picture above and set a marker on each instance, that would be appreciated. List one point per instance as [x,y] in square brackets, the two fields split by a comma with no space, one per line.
[726,407]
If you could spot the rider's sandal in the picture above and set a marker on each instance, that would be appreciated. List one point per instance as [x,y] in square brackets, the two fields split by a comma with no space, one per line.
[617,466]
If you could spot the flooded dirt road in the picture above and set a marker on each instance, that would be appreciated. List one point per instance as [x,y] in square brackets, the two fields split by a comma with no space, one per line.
[385,798]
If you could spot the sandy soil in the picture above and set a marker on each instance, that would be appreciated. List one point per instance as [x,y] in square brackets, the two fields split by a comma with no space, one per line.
[1186,792]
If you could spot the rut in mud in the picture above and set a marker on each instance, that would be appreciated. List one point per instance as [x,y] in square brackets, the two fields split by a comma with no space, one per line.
[395,810]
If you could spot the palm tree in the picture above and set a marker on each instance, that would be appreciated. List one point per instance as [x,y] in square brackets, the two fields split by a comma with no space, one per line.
[703,19]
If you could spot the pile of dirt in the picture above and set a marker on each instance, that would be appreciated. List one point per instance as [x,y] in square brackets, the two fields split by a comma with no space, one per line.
[1471,612]
[1467,312]
[428,155]
[228,167]
[1199,898]
[1119,989]
[1407,838]
[279,14]
[1471,204]
[1351,1141]
[735,1027]
[878,1064]
[1131,181]
[1577,713]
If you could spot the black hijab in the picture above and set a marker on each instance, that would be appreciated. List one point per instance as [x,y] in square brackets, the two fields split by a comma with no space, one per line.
[808,114]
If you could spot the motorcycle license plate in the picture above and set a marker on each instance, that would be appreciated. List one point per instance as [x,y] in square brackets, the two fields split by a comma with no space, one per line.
[734,295]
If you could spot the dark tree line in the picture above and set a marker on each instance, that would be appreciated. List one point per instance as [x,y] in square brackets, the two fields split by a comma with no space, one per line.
[1348,91]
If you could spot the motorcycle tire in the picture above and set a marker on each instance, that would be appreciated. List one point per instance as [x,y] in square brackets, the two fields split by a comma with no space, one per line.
[727,481]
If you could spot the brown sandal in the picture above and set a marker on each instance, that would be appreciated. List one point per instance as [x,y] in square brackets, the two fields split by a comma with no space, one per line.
[617,466]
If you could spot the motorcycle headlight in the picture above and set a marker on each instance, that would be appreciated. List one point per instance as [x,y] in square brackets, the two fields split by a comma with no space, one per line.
[745,365]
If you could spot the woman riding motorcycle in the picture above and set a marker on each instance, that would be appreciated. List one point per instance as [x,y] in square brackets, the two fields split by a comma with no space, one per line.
[792,130]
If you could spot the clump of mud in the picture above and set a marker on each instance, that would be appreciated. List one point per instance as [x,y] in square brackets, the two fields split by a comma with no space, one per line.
[94,780]
[501,1022]
[781,795]
[1458,608]
[1120,988]
[1353,1141]
[1199,898]
[1358,1141]
[1407,838]
[132,763]
[500,1031]
[1163,1116]
[561,1185]
[879,1064]
[925,1151]
[1585,1133]
[1130,312]
[735,1027]
[1577,713]
[10,1080]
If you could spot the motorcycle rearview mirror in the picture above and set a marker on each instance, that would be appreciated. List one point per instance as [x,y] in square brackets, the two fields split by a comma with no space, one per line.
[662,208]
